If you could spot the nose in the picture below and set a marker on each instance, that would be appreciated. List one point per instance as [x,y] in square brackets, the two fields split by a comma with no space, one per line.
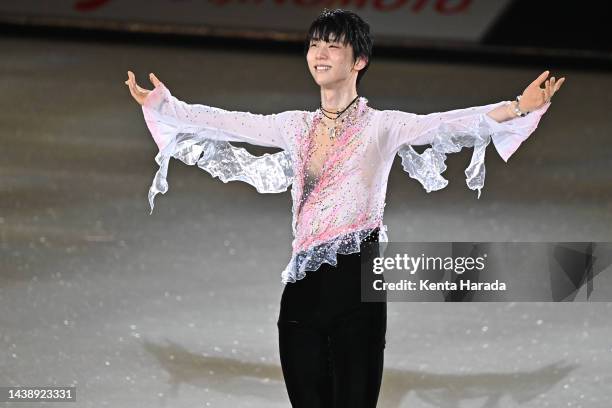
[321,53]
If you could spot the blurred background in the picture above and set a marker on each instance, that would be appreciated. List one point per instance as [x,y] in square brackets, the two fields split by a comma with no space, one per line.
[179,308]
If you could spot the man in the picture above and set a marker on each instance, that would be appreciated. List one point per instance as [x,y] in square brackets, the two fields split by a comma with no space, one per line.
[337,160]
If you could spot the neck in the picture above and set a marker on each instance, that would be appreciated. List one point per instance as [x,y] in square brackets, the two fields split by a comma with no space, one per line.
[337,99]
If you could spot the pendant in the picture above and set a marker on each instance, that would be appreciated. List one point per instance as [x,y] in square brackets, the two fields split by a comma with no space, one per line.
[332,133]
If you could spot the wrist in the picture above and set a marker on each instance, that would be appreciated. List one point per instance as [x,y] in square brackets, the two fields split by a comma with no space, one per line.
[516,105]
[510,109]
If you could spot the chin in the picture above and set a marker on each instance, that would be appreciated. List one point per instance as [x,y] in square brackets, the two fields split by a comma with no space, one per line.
[323,82]
[319,82]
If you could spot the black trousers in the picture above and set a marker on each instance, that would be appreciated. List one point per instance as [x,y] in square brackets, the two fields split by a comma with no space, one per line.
[332,344]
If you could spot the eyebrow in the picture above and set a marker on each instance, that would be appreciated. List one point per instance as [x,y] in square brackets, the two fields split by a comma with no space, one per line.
[334,41]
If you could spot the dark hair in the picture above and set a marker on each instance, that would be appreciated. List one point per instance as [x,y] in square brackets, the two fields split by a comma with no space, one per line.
[345,26]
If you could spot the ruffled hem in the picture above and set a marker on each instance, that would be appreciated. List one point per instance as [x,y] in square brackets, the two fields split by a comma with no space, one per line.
[312,258]
[268,173]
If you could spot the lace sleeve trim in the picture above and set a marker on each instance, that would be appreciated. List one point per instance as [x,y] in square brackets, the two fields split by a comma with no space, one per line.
[428,166]
[269,173]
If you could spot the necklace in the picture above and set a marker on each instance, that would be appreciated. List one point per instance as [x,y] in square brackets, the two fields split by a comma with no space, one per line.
[334,128]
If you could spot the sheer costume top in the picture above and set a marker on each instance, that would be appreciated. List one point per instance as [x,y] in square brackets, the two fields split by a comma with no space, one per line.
[338,188]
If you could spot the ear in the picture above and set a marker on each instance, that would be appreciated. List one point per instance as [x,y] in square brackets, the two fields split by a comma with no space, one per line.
[360,63]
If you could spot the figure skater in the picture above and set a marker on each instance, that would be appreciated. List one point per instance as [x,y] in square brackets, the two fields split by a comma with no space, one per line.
[337,160]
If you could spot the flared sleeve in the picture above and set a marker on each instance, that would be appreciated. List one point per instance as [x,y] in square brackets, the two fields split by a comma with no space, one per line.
[448,132]
[200,135]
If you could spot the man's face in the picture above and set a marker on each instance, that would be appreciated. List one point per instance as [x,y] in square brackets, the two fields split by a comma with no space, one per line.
[331,63]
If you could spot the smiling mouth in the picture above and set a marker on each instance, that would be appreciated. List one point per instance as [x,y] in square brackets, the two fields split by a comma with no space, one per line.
[322,68]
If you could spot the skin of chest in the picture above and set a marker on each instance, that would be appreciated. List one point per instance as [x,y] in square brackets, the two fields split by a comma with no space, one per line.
[322,147]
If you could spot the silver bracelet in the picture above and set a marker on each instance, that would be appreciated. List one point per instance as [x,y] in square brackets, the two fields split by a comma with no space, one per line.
[516,108]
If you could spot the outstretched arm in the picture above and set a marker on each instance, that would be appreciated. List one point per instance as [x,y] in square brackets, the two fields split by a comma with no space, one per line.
[200,135]
[450,131]
[166,116]
[498,120]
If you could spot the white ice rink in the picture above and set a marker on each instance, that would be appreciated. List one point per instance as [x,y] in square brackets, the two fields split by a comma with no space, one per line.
[178,309]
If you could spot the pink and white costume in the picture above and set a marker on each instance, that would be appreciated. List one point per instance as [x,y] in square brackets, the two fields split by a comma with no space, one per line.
[337,206]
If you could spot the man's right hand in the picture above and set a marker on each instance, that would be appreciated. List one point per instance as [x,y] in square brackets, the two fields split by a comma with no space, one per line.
[138,93]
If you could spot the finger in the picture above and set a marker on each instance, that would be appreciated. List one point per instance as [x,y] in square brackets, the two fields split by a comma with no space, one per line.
[129,82]
[140,89]
[558,86]
[538,81]
[133,82]
[154,80]
[552,85]
[133,86]
[132,91]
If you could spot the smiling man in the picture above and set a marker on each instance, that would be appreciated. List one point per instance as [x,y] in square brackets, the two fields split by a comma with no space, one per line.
[337,160]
